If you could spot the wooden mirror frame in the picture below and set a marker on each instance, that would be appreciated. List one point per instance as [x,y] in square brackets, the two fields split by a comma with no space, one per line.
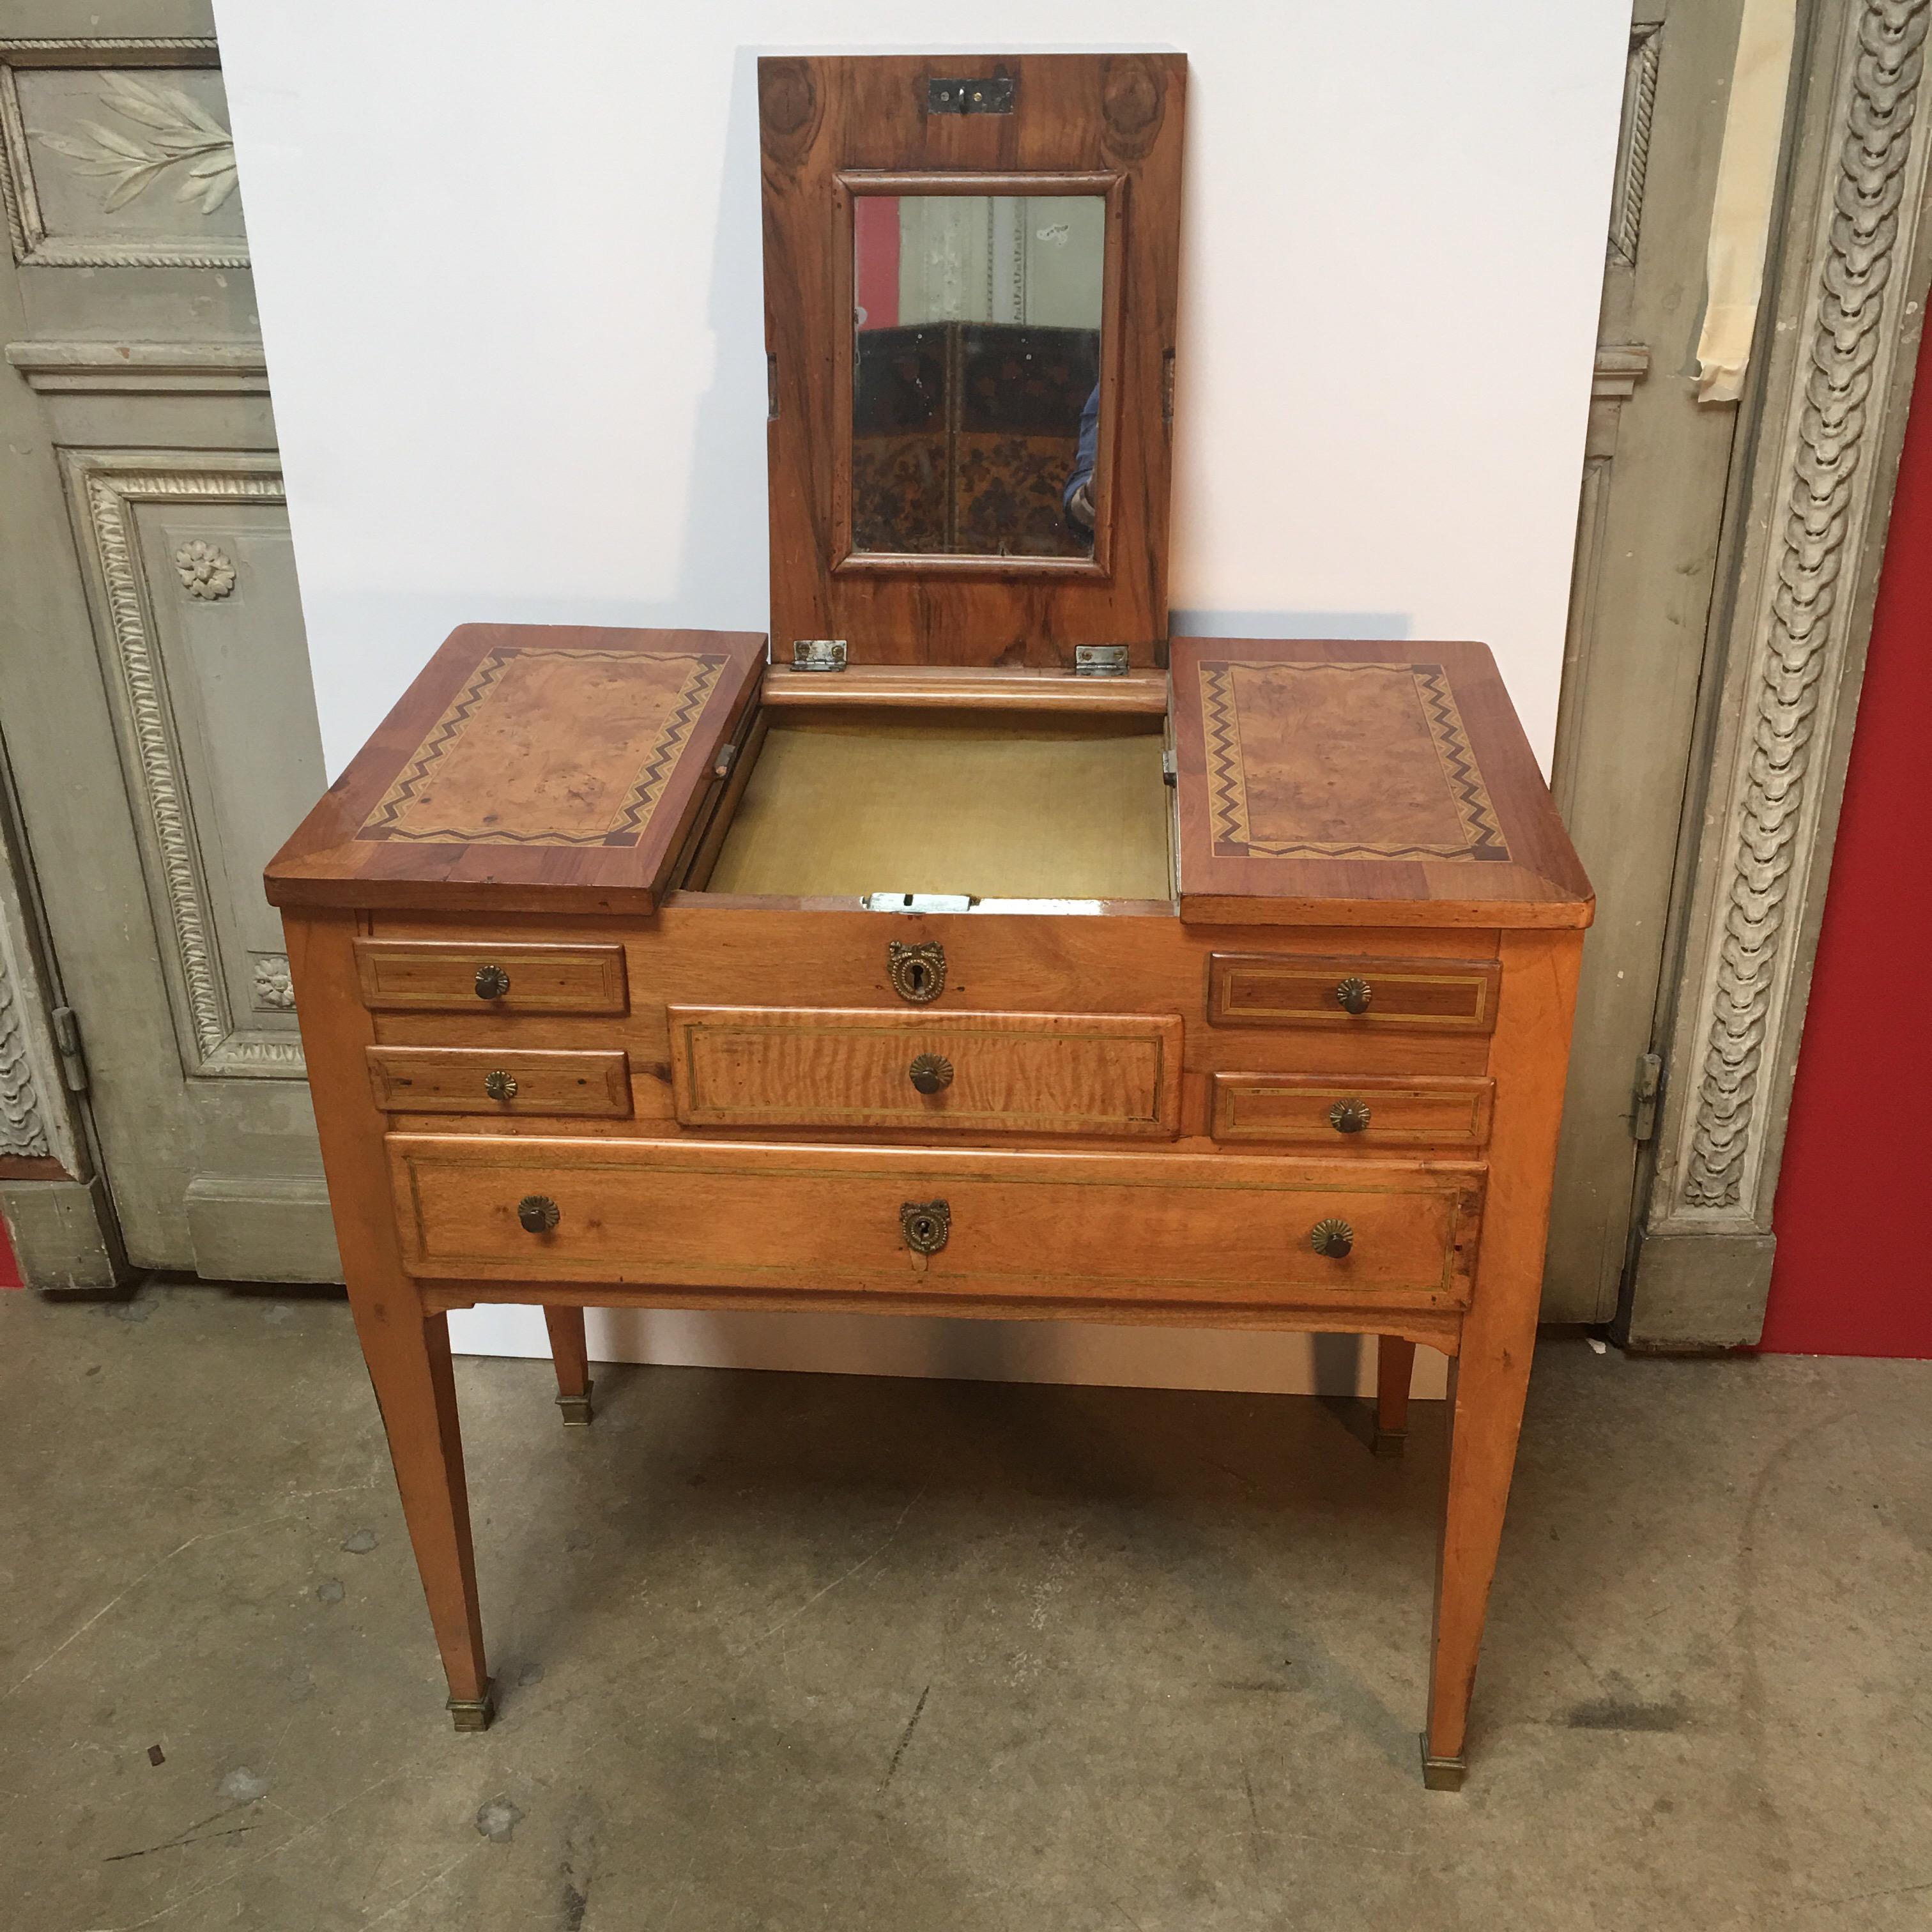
[836,127]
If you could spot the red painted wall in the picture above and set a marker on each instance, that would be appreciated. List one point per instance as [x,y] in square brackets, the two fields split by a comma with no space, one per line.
[1854,1210]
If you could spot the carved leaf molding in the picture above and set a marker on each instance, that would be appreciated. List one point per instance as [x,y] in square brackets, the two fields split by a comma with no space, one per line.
[1782,706]
[180,140]
[22,1128]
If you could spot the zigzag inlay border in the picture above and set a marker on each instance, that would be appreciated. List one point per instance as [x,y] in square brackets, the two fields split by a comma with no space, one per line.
[1227,771]
[639,802]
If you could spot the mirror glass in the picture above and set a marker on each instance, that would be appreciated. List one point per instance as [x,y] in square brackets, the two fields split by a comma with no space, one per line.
[976,373]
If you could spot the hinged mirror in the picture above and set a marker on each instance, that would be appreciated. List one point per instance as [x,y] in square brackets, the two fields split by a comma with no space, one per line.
[970,292]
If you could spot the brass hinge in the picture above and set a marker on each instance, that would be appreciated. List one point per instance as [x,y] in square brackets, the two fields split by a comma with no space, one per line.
[771,388]
[67,1044]
[1643,1096]
[992,94]
[818,654]
[1170,771]
[721,766]
[1100,660]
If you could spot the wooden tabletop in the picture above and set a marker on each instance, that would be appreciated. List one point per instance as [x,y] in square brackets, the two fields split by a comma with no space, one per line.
[1330,781]
[529,768]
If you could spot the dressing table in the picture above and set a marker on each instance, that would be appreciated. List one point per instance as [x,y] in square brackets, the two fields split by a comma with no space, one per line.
[971,946]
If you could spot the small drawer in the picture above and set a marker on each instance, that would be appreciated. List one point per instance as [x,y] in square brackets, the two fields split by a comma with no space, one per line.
[1376,995]
[432,975]
[1101,1074]
[1365,1111]
[1199,1230]
[468,1080]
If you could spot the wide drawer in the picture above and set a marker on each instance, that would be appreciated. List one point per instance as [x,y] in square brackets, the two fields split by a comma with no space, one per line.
[436,975]
[1361,1112]
[483,1080]
[1171,1228]
[1101,1074]
[1374,995]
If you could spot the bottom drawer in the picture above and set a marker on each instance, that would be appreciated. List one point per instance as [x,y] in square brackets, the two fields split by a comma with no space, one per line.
[1172,1228]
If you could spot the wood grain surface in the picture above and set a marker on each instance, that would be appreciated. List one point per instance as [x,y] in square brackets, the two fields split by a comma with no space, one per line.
[1293,1108]
[430,976]
[450,1080]
[1405,995]
[550,766]
[1170,1227]
[1100,1074]
[1115,116]
[1390,778]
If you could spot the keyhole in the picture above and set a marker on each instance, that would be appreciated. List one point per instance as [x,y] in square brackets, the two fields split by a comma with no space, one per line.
[915,976]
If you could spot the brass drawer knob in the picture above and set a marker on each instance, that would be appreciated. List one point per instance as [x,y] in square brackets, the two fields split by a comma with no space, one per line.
[492,983]
[1331,1237]
[925,1225]
[538,1212]
[1354,995]
[1349,1117]
[918,970]
[499,1085]
[931,1073]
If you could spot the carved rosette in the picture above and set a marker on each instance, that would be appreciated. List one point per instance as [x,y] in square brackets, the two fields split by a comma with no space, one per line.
[1803,623]
[204,571]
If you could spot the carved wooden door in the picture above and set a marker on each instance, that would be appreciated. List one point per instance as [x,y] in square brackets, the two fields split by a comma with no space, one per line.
[155,697]
[1655,473]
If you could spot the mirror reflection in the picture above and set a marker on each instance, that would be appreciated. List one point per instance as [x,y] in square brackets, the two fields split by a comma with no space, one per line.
[977,363]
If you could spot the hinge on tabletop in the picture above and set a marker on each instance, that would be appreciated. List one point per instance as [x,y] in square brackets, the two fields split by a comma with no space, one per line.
[1170,772]
[771,388]
[818,654]
[1100,660]
[67,1044]
[721,766]
[1643,1096]
[1166,389]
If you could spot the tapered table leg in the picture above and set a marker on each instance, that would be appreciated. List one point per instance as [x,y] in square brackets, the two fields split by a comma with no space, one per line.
[568,1351]
[1395,1366]
[408,1355]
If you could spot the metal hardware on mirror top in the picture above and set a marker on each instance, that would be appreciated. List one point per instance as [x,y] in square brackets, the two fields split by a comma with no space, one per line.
[818,654]
[538,1213]
[1100,660]
[992,96]
[1331,1237]
[917,971]
[499,1085]
[1349,1117]
[492,983]
[917,901]
[926,1224]
[931,1073]
[1353,995]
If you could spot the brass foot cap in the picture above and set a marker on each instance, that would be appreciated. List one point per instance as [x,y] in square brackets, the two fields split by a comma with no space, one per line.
[1389,1442]
[472,1714]
[576,1409]
[1443,1774]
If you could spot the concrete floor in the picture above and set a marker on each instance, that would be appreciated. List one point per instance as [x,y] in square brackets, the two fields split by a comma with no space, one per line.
[791,1651]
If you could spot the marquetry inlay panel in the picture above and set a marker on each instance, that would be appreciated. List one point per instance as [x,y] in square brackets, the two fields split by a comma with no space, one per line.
[1339,759]
[484,776]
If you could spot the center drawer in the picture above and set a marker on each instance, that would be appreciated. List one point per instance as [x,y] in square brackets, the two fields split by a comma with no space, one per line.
[1100,1074]
[1207,1229]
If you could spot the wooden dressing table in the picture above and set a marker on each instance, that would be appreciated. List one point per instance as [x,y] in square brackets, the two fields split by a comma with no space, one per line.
[976,950]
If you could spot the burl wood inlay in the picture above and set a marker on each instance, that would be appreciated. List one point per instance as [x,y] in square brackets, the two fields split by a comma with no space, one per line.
[1339,760]
[495,772]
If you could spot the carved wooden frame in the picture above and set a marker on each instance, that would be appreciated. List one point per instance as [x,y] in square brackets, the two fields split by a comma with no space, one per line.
[1807,539]
[25,229]
[102,487]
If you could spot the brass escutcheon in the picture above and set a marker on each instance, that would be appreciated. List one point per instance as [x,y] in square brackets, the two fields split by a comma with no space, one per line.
[1353,995]
[1331,1237]
[917,971]
[931,1073]
[538,1212]
[926,1225]
[499,1085]
[1349,1117]
[492,983]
